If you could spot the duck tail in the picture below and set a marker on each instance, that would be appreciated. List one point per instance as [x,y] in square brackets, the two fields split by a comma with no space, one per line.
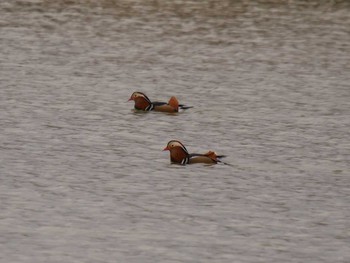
[216,157]
[184,107]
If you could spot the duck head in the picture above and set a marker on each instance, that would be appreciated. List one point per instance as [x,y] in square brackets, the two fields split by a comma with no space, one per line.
[178,152]
[136,94]
[141,100]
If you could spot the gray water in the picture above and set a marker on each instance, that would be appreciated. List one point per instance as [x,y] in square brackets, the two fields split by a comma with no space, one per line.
[83,177]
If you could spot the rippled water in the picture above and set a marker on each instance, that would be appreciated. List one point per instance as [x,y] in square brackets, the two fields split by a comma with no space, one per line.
[83,177]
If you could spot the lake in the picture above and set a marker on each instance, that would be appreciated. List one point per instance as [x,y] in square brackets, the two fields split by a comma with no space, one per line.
[83,177]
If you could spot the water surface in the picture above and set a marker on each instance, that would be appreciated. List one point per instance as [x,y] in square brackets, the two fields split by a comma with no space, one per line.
[83,177]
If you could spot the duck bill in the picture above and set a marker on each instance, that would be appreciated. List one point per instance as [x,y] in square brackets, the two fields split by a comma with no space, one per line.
[166,149]
[130,99]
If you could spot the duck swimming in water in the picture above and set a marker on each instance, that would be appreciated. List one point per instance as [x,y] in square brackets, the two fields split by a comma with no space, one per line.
[142,102]
[180,155]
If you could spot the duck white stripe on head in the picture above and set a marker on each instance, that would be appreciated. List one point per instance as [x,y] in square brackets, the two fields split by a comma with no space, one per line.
[137,94]
[175,143]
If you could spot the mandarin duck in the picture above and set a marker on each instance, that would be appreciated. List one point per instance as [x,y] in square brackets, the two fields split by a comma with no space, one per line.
[142,102]
[180,155]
